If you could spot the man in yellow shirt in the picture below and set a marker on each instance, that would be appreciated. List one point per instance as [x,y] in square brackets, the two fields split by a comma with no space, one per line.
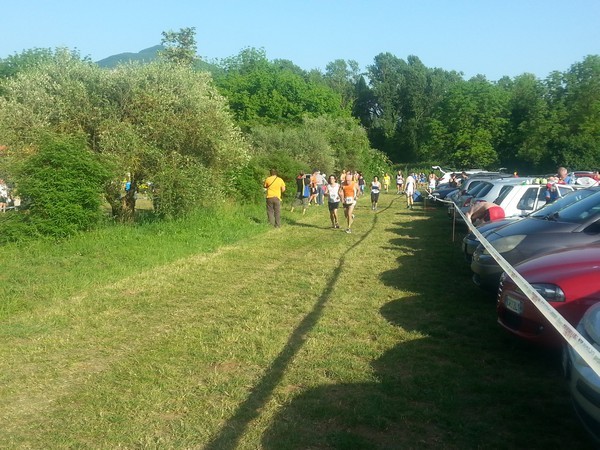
[275,186]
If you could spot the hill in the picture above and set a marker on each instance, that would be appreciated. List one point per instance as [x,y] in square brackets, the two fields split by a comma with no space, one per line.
[144,56]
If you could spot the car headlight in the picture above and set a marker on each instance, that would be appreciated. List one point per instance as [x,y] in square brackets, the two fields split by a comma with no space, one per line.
[506,244]
[550,292]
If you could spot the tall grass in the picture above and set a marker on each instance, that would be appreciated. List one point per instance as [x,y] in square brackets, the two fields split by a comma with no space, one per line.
[35,273]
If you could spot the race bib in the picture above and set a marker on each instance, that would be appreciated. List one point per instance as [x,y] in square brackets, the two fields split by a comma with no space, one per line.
[348,200]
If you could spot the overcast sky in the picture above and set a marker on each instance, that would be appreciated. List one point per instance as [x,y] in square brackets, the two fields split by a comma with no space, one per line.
[493,38]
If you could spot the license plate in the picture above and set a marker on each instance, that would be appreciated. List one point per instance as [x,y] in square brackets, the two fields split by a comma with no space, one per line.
[514,304]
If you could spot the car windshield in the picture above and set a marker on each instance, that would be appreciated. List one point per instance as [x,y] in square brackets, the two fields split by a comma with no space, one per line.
[549,210]
[579,211]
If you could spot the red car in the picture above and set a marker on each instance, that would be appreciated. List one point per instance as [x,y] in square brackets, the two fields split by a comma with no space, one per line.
[568,279]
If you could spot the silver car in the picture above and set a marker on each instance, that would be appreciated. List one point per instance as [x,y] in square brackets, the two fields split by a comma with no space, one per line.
[584,383]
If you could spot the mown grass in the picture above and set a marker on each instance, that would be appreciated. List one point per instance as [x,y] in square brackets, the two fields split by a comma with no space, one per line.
[218,332]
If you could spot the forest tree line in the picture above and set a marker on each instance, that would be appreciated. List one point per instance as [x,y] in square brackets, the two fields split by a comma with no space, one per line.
[200,137]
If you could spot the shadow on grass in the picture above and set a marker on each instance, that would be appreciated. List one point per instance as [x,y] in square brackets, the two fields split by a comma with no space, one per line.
[456,381]
[233,430]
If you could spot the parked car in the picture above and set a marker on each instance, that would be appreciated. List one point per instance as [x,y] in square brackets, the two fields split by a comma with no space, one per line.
[470,242]
[575,225]
[460,196]
[444,189]
[487,191]
[584,383]
[521,200]
[569,279]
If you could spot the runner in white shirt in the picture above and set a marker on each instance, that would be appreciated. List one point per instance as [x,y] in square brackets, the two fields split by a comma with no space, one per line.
[333,194]
[409,189]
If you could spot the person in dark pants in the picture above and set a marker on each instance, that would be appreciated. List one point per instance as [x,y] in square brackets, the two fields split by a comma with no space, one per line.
[275,186]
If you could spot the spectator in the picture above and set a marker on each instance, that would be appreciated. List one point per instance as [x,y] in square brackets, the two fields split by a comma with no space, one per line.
[432,182]
[275,187]
[563,176]
[482,212]
[3,195]
[302,193]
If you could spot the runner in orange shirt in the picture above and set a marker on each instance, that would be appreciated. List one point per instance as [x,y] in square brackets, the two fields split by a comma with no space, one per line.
[348,194]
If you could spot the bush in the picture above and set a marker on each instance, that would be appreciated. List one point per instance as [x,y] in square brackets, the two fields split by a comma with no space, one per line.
[61,188]
[246,184]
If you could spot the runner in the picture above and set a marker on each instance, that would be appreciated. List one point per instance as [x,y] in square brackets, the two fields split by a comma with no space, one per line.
[375,188]
[399,182]
[349,193]
[333,194]
[386,182]
[409,190]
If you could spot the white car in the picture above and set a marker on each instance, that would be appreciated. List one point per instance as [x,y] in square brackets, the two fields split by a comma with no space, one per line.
[487,191]
[584,383]
[517,198]
[521,200]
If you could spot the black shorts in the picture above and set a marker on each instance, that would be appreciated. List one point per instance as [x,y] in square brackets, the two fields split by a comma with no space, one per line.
[374,197]
[333,205]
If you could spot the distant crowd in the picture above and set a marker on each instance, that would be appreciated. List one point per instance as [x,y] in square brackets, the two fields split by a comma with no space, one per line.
[316,189]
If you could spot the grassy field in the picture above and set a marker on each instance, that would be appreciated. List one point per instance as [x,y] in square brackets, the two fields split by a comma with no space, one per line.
[218,332]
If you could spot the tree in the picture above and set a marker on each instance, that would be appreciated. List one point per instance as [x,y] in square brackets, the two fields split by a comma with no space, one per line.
[180,46]
[60,186]
[470,123]
[529,124]
[342,76]
[582,101]
[405,96]
[261,92]
[160,123]
[12,65]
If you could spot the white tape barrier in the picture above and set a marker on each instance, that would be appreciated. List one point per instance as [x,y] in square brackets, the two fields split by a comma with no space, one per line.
[589,354]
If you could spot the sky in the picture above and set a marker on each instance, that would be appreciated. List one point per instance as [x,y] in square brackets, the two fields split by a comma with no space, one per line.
[489,37]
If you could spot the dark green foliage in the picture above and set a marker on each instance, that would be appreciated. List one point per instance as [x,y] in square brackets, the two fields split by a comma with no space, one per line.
[246,184]
[262,92]
[60,186]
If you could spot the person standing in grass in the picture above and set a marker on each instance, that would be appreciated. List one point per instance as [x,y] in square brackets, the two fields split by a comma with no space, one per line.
[3,196]
[302,193]
[361,183]
[333,194]
[432,183]
[375,188]
[349,193]
[275,187]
